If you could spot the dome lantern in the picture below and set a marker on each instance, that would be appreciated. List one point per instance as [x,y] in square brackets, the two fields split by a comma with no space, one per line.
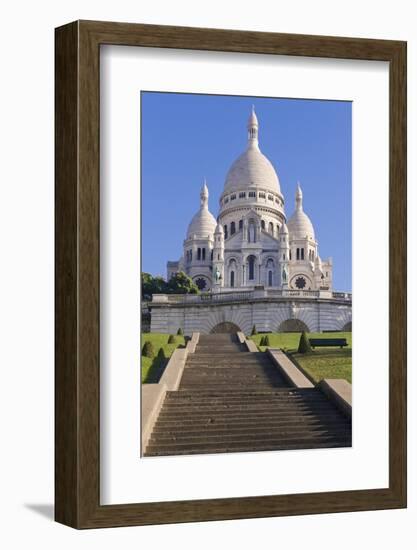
[253,127]
[204,195]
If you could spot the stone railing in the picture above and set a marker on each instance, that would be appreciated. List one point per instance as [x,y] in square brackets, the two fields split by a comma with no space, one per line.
[248,295]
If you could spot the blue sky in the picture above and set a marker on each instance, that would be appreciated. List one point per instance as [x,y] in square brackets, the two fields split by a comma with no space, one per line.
[187,137]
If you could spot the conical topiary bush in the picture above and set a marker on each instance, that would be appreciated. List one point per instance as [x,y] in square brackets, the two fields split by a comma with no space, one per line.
[304,344]
[148,349]
[266,341]
[161,354]
[254,331]
[180,332]
[171,339]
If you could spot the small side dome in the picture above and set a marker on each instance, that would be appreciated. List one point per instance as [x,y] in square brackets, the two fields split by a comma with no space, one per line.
[203,223]
[299,225]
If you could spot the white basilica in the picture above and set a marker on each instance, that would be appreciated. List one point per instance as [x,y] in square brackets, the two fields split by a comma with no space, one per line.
[252,243]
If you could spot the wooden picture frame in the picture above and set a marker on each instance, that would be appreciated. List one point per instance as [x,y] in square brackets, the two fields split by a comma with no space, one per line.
[77,405]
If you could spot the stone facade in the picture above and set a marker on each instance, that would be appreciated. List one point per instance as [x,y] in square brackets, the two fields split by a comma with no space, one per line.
[252,265]
[293,311]
[251,243]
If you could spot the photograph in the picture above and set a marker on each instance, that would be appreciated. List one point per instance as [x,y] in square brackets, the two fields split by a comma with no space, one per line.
[246,273]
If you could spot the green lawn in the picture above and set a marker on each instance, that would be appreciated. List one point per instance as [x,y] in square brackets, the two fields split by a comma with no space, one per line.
[321,362]
[151,367]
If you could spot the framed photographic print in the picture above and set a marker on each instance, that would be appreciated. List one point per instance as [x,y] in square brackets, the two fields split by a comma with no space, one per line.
[230,274]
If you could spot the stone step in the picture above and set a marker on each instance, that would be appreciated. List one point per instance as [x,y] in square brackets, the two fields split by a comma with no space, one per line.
[231,371]
[258,382]
[231,399]
[231,375]
[208,352]
[281,434]
[252,406]
[243,421]
[243,413]
[240,361]
[155,451]
[261,385]
[266,425]
[245,446]
[276,392]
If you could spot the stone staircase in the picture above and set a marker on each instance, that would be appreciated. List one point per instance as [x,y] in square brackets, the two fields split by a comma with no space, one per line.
[230,400]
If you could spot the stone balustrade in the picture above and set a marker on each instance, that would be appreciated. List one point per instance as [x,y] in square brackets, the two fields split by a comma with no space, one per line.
[249,295]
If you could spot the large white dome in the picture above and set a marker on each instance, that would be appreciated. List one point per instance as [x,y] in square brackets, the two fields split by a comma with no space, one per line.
[299,225]
[252,168]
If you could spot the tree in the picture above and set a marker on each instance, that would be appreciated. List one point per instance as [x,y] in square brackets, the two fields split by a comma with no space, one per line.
[254,331]
[148,349]
[304,344]
[171,339]
[266,341]
[152,285]
[180,332]
[180,283]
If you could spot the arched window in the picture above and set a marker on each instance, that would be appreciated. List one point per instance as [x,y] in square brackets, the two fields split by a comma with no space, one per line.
[312,255]
[263,224]
[277,229]
[204,254]
[302,253]
[240,224]
[198,253]
[211,255]
[225,231]
[298,254]
[269,278]
[251,232]
[290,254]
[251,265]
[283,256]
[232,279]
[271,228]
[191,255]
[232,228]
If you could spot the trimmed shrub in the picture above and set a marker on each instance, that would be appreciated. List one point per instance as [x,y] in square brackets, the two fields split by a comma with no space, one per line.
[171,339]
[161,355]
[180,332]
[148,349]
[304,344]
[262,341]
[254,331]
[266,341]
